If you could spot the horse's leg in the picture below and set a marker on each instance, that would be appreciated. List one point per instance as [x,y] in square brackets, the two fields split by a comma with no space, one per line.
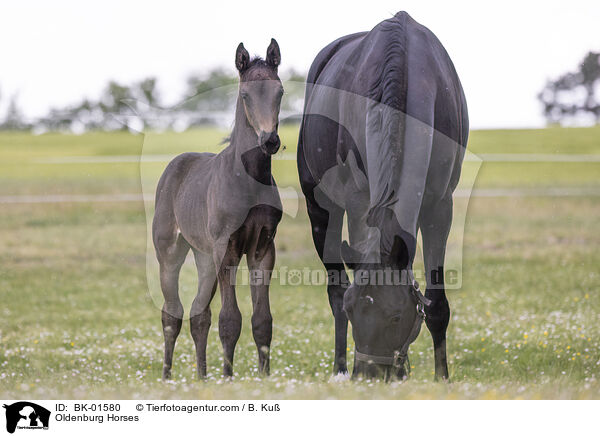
[230,317]
[171,256]
[262,321]
[200,315]
[435,221]
[327,235]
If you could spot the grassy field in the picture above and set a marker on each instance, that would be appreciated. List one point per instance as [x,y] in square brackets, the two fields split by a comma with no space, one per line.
[77,319]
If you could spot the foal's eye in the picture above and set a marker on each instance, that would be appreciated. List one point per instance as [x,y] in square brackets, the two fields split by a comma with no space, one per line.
[244,95]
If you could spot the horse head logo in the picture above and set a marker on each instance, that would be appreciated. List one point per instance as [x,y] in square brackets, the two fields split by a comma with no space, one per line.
[26,415]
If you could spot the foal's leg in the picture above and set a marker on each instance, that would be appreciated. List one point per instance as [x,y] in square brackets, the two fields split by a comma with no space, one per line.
[327,235]
[435,221]
[262,321]
[171,257]
[230,318]
[200,315]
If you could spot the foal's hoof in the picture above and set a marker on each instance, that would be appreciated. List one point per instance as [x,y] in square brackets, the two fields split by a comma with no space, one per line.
[264,369]
[166,375]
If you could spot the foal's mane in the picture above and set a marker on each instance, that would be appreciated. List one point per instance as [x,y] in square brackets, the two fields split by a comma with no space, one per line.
[255,63]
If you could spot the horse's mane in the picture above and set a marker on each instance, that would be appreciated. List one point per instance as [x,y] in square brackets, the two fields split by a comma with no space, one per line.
[388,89]
[388,85]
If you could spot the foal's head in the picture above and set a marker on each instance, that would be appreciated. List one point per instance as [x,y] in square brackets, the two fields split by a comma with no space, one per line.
[260,94]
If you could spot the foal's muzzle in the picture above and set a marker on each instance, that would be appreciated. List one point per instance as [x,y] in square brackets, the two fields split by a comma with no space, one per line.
[269,142]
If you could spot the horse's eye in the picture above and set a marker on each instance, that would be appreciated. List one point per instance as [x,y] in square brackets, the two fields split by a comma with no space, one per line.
[367,299]
[395,319]
[244,95]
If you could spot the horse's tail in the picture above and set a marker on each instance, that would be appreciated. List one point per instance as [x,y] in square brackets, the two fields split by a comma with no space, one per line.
[399,137]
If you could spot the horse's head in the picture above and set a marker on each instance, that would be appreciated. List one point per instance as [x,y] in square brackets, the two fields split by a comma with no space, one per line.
[260,93]
[385,308]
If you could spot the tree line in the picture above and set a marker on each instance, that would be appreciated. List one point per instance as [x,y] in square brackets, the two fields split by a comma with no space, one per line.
[208,99]
[574,95]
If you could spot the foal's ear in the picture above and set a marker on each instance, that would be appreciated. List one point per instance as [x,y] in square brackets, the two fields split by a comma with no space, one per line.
[242,58]
[273,54]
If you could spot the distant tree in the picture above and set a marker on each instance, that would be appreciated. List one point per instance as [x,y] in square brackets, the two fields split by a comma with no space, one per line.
[575,93]
[148,90]
[56,120]
[216,78]
[83,116]
[89,114]
[210,92]
[146,100]
[14,119]
[116,104]
[114,98]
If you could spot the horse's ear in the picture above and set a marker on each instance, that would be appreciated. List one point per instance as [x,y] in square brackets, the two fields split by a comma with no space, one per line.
[350,297]
[398,256]
[273,54]
[242,58]
[350,256]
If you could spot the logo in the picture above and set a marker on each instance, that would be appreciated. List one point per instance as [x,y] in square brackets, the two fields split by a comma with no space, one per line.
[26,415]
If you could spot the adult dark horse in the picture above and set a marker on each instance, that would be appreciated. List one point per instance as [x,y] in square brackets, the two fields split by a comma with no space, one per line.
[222,207]
[382,140]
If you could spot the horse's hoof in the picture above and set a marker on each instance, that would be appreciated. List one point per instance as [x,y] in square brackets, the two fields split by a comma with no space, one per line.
[340,377]
[442,379]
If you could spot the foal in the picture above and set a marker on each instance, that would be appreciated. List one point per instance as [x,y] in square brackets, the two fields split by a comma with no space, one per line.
[222,207]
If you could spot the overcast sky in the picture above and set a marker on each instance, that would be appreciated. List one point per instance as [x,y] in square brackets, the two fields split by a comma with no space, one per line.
[56,52]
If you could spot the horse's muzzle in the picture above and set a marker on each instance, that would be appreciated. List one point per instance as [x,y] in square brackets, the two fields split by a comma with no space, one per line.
[388,373]
[269,142]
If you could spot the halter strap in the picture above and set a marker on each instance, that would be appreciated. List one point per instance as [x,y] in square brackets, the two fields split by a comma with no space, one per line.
[400,357]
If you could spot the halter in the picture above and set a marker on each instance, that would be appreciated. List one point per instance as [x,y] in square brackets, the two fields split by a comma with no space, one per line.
[399,358]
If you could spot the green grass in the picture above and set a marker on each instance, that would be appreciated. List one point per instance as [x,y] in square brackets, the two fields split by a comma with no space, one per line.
[550,140]
[78,321]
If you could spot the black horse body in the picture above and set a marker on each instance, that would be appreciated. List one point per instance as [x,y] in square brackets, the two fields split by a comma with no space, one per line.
[382,140]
